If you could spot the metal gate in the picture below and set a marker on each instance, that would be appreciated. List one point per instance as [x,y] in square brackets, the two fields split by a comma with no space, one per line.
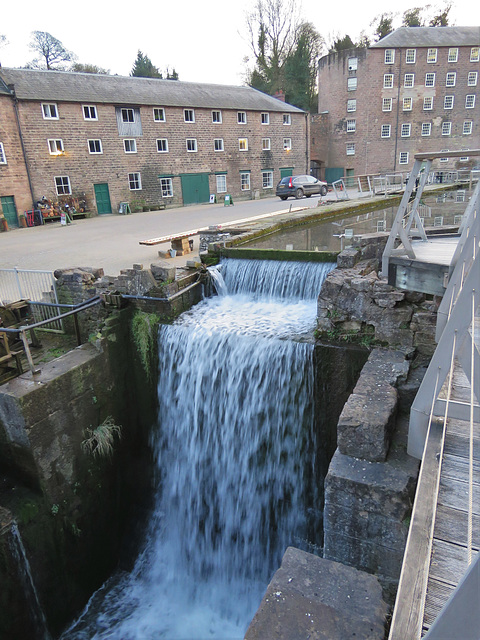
[35,286]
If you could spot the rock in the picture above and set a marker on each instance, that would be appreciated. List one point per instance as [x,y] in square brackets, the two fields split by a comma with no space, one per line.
[163,271]
[348,258]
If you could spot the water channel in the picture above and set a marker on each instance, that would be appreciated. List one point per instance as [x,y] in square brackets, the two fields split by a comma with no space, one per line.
[235,460]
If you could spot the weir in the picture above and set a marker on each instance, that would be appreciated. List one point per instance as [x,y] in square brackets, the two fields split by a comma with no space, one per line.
[235,448]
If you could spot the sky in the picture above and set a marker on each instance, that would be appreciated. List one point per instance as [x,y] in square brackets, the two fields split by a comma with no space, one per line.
[206,41]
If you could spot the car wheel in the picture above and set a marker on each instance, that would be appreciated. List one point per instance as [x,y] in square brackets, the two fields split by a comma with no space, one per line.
[283,197]
[299,193]
[323,190]
[308,195]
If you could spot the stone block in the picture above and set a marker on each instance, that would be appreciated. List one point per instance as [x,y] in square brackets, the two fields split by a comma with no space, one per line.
[348,258]
[163,271]
[311,597]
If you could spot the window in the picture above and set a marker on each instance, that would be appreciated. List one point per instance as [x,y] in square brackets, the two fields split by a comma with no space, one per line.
[409,80]
[351,126]
[431,55]
[287,144]
[448,102]
[287,118]
[388,81]
[389,56]
[403,157]
[130,145]
[463,159]
[267,179]
[429,79]
[469,102]
[191,144]
[472,78]
[162,145]
[62,186]
[134,181]
[450,79]
[55,147]
[445,158]
[387,104]
[221,183]
[467,127]
[159,114]
[453,54]
[128,115]
[475,54]
[350,148]
[95,146]
[351,105]
[265,118]
[351,84]
[428,103]
[243,144]
[3,157]
[426,128]
[385,130]
[218,144]
[241,117]
[217,117]
[188,115]
[446,128]
[406,130]
[407,104]
[352,64]
[245,181]
[410,56]
[166,187]
[50,111]
[89,112]
[265,144]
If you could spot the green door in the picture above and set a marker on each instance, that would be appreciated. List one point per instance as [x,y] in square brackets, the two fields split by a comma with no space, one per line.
[9,211]
[102,196]
[349,182]
[284,173]
[195,188]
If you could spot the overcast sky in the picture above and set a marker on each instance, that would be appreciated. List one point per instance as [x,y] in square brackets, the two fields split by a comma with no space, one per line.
[206,42]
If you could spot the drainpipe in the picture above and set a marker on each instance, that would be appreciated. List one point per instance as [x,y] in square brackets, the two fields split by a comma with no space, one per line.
[398,110]
[307,143]
[17,117]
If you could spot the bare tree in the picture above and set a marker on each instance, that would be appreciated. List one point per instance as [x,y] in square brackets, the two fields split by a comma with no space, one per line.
[52,55]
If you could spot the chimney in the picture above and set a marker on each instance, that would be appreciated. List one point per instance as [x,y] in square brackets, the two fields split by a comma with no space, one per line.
[279,95]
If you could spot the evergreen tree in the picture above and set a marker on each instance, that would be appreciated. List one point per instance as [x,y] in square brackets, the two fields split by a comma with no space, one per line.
[412,18]
[383,25]
[144,68]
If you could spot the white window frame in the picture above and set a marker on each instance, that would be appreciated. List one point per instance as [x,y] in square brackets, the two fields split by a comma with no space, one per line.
[467,127]
[452,54]
[189,116]
[128,114]
[432,55]
[407,104]
[266,144]
[350,149]
[267,179]
[470,101]
[446,128]
[472,78]
[191,145]
[221,180]
[62,188]
[352,84]
[89,112]
[445,158]
[403,157]
[245,181]
[166,187]
[406,130]
[410,56]
[428,100]
[409,80]
[448,102]
[131,143]
[55,146]
[265,117]
[216,116]
[451,79]
[389,56]
[243,144]
[385,130]
[96,143]
[475,54]
[351,126]
[430,79]
[287,144]
[162,142]
[351,105]
[426,129]
[388,80]
[241,117]
[352,64]
[287,119]
[159,114]
[3,157]
[134,181]
[48,108]
[218,144]
[387,102]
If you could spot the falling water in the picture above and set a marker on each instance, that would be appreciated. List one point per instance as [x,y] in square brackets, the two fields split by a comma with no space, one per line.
[234,449]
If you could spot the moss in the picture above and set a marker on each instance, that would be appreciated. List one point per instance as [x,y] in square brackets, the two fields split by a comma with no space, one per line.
[144,330]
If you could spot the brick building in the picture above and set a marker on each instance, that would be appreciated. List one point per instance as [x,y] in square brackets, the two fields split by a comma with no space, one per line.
[413,91]
[112,139]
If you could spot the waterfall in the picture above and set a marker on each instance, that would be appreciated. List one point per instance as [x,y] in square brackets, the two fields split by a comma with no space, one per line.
[235,464]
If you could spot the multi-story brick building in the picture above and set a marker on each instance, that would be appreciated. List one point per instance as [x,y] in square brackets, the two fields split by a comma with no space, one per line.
[111,139]
[413,91]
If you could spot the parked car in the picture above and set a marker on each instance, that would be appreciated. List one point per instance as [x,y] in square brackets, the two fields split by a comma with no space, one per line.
[299,186]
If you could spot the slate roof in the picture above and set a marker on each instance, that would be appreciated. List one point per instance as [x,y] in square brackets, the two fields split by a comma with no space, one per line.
[431,37]
[63,86]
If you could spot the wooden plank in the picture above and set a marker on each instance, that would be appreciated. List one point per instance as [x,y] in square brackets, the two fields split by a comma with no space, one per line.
[458,468]
[437,595]
[449,562]
[454,493]
[451,524]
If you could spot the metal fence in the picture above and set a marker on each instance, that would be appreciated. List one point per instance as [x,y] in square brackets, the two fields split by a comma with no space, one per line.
[36,286]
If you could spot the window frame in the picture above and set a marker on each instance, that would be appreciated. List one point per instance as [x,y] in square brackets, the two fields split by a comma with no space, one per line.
[191,145]
[352,83]
[243,144]
[448,102]
[268,175]
[128,142]
[385,131]
[55,149]
[446,128]
[287,144]
[287,119]
[454,57]
[470,101]
[389,56]
[245,183]
[425,103]
[3,157]
[266,144]
[218,144]
[350,103]
[217,116]
[387,101]
[432,54]
[159,111]
[407,100]
[475,54]
[162,142]
[351,125]
[189,116]
[429,128]
[467,131]
[352,63]
[388,80]
[265,117]
[48,116]
[125,113]
[166,186]
[405,156]
[64,185]
[220,177]
[409,51]
[350,149]
[100,146]
[241,117]
[408,128]
[134,178]
[87,108]
[472,79]
[411,79]
[451,75]
[430,79]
